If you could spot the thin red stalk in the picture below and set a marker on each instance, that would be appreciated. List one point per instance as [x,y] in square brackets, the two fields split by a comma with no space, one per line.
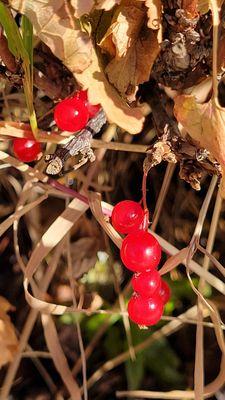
[72,193]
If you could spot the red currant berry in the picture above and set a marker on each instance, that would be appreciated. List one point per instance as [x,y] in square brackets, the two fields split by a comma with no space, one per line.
[71,115]
[140,251]
[145,311]
[164,292]
[127,216]
[92,109]
[146,283]
[26,150]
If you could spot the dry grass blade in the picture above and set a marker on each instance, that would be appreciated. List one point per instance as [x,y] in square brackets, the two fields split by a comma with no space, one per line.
[215,262]
[195,267]
[79,334]
[20,212]
[162,195]
[28,326]
[58,356]
[95,206]
[166,330]
[142,394]
[55,234]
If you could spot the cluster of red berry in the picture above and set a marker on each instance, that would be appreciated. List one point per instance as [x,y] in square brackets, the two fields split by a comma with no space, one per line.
[70,115]
[141,253]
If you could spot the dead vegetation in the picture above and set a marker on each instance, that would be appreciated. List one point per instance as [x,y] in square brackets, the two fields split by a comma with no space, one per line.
[156,69]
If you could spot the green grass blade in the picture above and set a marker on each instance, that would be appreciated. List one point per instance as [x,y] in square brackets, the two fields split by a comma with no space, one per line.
[27,37]
[21,47]
[12,32]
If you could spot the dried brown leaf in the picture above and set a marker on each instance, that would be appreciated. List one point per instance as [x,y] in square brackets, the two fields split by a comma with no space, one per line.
[8,339]
[133,46]
[127,72]
[55,26]
[58,356]
[100,91]
[124,29]
[205,123]
[205,5]
[154,13]
[106,4]
[82,7]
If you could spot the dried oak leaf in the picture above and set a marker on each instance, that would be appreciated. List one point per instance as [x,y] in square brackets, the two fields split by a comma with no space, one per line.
[205,123]
[100,91]
[133,46]
[54,24]
[8,339]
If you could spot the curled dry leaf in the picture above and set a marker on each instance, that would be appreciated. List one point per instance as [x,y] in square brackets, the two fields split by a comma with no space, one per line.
[100,91]
[133,46]
[55,26]
[205,123]
[8,339]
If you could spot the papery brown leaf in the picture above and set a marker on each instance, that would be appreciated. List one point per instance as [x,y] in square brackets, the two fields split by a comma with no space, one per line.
[204,5]
[82,7]
[106,4]
[154,13]
[127,72]
[55,26]
[124,29]
[205,123]
[8,339]
[133,46]
[100,91]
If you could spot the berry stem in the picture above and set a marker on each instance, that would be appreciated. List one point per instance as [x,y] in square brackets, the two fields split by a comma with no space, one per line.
[144,201]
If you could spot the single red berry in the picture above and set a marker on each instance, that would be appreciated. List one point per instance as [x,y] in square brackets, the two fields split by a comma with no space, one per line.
[127,216]
[164,292]
[140,251]
[71,115]
[146,283]
[26,150]
[92,109]
[145,311]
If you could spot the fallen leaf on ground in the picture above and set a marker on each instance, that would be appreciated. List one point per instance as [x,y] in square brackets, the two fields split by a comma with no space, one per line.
[8,339]
[205,123]
[55,26]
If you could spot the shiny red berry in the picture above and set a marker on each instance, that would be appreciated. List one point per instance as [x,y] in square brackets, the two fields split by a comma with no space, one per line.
[145,311]
[71,115]
[164,292]
[92,109]
[146,283]
[26,150]
[127,216]
[140,251]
